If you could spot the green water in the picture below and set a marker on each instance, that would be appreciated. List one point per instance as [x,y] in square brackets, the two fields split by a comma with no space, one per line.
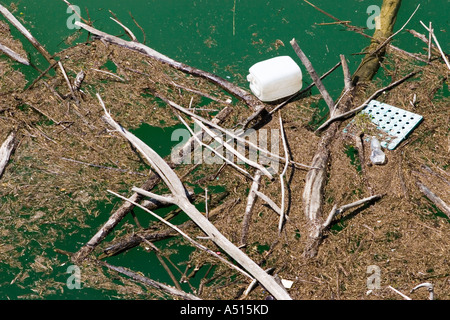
[221,36]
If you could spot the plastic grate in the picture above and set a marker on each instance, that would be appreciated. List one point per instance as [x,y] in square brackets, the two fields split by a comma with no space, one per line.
[396,122]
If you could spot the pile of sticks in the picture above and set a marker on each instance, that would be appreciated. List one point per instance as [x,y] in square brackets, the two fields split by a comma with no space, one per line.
[316,175]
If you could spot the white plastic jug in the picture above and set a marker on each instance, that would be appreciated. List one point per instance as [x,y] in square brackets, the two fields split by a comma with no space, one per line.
[275,78]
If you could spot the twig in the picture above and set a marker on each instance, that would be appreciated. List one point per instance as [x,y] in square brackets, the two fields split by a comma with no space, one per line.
[335,211]
[67,80]
[347,75]
[238,92]
[76,12]
[283,173]
[251,199]
[26,33]
[269,201]
[403,295]
[373,96]
[394,34]
[140,278]
[326,96]
[109,73]
[13,55]
[6,150]
[128,31]
[427,285]
[136,23]
[195,243]
[437,44]
[434,198]
[429,41]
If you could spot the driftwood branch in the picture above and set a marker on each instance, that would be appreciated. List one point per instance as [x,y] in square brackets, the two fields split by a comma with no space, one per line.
[316,178]
[13,55]
[249,207]
[308,65]
[6,150]
[362,106]
[236,91]
[8,15]
[430,30]
[192,241]
[149,282]
[176,187]
[434,198]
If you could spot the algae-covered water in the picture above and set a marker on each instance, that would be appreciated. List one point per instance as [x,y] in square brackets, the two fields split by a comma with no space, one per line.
[220,36]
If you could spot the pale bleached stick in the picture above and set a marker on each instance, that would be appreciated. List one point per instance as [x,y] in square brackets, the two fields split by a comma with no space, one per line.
[195,243]
[437,44]
[109,73]
[398,292]
[228,132]
[234,151]
[8,15]
[336,211]
[251,199]
[269,201]
[430,36]
[326,96]
[181,200]
[67,79]
[195,136]
[6,150]
[373,96]
[283,173]
[128,31]
[13,55]
[347,75]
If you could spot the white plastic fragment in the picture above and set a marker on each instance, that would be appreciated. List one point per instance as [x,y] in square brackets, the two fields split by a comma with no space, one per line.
[275,78]
[287,283]
[377,155]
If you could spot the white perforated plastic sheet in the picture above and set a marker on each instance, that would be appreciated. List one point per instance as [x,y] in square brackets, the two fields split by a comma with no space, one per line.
[396,122]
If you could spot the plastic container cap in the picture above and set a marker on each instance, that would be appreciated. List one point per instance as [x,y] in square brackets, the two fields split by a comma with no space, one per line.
[275,78]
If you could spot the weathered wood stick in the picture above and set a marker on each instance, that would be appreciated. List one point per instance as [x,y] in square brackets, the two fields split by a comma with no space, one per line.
[381,46]
[128,31]
[176,187]
[147,281]
[251,199]
[434,198]
[437,44]
[362,106]
[13,55]
[6,150]
[282,176]
[347,75]
[316,178]
[238,92]
[398,292]
[8,15]
[134,239]
[323,91]
[192,241]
